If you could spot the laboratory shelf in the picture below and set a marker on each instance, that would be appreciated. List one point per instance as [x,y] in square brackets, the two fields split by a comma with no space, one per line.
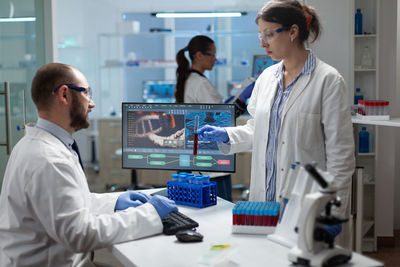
[372,154]
[140,67]
[73,47]
[393,122]
[365,35]
[181,34]
[168,66]
[364,70]
[17,37]
[16,68]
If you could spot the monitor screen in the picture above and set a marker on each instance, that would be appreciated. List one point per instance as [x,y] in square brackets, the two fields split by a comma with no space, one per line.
[260,63]
[234,87]
[158,91]
[160,136]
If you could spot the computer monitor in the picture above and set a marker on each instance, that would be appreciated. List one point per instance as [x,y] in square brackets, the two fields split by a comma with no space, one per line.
[234,87]
[260,63]
[160,136]
[158,91]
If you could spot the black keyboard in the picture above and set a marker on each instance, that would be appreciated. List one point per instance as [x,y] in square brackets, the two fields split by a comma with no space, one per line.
[176,221]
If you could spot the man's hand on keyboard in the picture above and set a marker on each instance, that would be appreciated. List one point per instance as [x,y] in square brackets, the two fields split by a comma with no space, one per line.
[163,205]
[130,199]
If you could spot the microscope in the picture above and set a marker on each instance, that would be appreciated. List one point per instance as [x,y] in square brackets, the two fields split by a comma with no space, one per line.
[315,246]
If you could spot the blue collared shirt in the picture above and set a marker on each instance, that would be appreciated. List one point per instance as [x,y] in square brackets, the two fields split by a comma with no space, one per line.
[59,132]
[275,123]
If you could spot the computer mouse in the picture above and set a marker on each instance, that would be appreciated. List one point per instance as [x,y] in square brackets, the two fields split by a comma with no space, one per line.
[189,236]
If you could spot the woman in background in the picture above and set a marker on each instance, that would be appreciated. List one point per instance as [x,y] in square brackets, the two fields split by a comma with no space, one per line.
[191,84]
[193,87]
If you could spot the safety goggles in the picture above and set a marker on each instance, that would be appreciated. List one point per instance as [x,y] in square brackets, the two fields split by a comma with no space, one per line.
[86,91]
[208,54]
[268,34]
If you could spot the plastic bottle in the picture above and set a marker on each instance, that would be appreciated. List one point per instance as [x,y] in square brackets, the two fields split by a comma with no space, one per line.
[366,59]
[358,96]
[363,141]
[358,22]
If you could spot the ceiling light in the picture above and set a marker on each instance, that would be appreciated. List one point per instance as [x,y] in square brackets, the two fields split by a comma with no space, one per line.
[197,14]
[17,19]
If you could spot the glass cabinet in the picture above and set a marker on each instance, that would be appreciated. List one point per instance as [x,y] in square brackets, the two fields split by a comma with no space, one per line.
[20,41]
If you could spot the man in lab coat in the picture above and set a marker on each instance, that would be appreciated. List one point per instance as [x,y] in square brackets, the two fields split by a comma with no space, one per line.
[48,216]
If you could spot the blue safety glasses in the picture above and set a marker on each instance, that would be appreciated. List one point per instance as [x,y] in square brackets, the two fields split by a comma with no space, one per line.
[86,91]
[208,54]
[268,34]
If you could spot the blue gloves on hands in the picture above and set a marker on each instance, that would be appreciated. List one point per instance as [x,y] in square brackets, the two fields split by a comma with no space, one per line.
[229,99]
[333,229]
[213,133]
[130,199]
[163,205]
[247,92]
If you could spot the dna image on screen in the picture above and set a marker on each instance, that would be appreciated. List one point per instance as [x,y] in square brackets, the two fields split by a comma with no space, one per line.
[162,136]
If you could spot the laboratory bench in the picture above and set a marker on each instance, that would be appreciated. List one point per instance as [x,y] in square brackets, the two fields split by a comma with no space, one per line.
[215,224]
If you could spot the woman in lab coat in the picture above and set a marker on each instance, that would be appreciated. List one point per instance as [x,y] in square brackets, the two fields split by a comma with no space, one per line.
[193,87]
[299,108]
[191,84]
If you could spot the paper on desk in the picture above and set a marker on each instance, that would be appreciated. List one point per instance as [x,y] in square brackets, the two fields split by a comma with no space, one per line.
[219,256]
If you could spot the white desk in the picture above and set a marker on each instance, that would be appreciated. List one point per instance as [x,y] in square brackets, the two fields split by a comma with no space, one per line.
[215,224]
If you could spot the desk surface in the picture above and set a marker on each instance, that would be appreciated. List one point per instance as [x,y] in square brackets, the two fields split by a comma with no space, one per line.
[215,224]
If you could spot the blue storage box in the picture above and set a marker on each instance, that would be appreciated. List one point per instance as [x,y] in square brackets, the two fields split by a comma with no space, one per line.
[195,195]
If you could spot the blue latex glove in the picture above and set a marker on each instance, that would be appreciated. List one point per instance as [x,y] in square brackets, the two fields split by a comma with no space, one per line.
[247,92]
[130,199]
[334,229]
[229,99]
[163,205]
[213,133]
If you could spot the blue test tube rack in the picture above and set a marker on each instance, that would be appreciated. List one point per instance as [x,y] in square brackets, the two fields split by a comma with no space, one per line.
[192,194]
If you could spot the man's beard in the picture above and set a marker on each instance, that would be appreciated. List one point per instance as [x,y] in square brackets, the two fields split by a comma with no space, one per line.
[79,119]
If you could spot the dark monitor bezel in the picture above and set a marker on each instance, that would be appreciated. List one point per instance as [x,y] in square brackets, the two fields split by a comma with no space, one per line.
[177,104]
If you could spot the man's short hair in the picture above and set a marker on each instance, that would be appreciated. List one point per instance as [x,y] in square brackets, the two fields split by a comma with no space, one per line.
[47,79]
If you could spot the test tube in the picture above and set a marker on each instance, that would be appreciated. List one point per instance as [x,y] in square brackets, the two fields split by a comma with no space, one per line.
[206,179]
[174,177]
[267,214]
[190,178]
[195,134]
[235,214]
[182,178]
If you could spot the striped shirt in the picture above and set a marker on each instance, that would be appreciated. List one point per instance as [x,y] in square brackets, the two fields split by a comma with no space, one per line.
[275,123]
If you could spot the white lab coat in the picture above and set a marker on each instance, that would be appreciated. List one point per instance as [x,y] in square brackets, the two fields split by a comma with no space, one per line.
[48,216]
[198,89]
[316,126]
